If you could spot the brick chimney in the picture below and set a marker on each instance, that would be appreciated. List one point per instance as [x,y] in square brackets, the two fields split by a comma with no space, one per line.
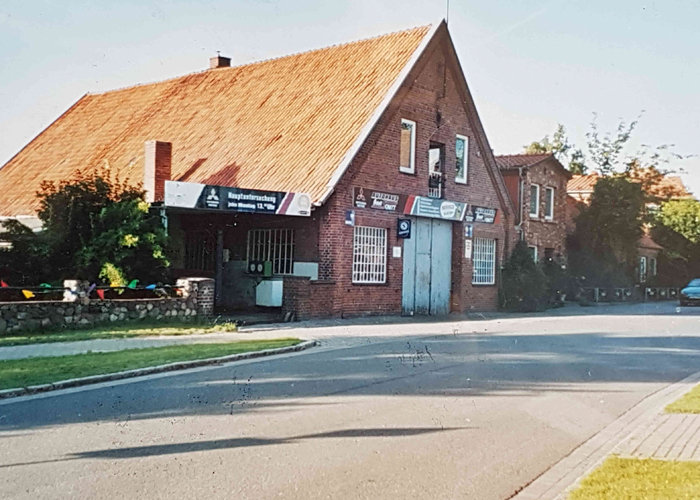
[158,162]
[219,62]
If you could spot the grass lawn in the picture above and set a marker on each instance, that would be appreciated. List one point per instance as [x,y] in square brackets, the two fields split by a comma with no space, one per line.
[635,479]
[689,403]
[33,371]
[123,330]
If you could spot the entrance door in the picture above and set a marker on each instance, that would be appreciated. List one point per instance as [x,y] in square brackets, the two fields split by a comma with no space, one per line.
[427,268]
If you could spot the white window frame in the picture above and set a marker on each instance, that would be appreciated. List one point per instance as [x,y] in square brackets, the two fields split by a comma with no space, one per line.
[653,263]
[547,192]
[484,259]
[411,169]
[642,269]
[369,248]
[462,180]
[534,254]
[275,245]
[536,214]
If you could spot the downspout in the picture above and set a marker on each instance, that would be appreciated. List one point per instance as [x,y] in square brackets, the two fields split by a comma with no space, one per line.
[521,187]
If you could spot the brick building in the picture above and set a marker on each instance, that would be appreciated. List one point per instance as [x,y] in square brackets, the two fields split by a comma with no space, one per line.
[351,180]
[661,187]
[537,186]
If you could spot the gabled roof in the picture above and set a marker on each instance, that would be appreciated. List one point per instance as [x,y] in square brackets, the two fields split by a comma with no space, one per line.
[527,160]
[287,124]
[669,186]
[582,183]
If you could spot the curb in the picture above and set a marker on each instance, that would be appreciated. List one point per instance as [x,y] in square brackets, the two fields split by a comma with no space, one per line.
[140,372]
[560,479]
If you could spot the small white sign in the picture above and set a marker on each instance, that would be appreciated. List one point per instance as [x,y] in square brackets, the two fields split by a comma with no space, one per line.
[396,252]
[467,249]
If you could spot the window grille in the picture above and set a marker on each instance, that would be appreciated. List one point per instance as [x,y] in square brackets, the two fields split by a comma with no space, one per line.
[199,251]
[274,245]
[484,261]
[369,255]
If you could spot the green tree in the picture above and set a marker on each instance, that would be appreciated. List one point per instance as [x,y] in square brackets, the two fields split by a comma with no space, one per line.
[88,222]
[562,149]
[524,285]
[603,248]
[683,217]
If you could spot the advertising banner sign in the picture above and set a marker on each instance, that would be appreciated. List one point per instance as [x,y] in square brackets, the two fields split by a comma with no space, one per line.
[378,200]
[435,208]
[233,199]
[481,214]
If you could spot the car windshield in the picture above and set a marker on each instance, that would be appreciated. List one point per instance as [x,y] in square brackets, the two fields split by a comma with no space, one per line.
[694,283]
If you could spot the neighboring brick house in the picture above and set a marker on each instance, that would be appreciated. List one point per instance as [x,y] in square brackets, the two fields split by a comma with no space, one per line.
[537,186]
[580,189]
[292,181]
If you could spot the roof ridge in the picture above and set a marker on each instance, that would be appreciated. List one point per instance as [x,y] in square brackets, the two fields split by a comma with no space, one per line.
[262,61]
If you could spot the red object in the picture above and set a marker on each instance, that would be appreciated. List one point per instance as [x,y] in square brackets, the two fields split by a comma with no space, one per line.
[3,284]
[101,294]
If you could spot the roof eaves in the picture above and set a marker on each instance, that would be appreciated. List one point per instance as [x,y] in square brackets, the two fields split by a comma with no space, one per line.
[371,123]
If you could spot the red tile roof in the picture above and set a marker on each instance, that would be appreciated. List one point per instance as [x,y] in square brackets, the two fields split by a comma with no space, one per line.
[286,124]
[582,183]
[527,160]
[670,186]
[506,162]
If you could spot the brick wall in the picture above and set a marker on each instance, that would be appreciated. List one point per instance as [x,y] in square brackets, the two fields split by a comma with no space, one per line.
[157,169]
[306,299]
[438,119]
[538,231]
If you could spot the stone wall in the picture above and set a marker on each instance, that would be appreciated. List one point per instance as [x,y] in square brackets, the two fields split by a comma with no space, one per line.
[197,300]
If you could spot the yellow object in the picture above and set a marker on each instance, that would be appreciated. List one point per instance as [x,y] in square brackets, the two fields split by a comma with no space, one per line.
[27,294]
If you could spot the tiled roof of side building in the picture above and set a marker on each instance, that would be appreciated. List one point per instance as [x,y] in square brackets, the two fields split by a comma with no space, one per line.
[506,162]
[284,124]
[526,160]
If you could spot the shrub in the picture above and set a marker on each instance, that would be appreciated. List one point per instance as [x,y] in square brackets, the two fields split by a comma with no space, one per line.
[524,286]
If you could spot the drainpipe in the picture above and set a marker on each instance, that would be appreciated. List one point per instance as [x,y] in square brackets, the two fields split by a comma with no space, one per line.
[521,187]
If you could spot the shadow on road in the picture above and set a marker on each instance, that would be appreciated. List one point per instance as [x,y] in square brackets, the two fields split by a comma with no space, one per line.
[471,366]
[221,444]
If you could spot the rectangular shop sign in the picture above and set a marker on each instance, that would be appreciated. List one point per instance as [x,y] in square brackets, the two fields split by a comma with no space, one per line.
[233,199]
[378,200]
[481,214]
[435,208]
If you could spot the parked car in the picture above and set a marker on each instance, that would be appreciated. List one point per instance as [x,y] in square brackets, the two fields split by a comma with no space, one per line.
[691,294]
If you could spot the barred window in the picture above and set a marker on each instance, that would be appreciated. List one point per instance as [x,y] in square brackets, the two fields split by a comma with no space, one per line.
[274,245]
[369,255]
[199,250]
[484,261]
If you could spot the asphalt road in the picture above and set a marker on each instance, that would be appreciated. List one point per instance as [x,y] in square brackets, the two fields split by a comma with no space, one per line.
[423,410]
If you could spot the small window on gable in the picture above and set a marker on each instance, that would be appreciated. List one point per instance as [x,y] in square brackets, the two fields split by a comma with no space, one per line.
[461,159]
[534,201]
[549,203]
[408,147]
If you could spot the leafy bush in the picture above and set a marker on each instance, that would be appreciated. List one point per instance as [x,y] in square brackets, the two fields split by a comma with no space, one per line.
[524,285]
[93,227]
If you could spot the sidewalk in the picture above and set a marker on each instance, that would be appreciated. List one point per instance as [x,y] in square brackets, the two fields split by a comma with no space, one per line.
[338,333]
[644,431]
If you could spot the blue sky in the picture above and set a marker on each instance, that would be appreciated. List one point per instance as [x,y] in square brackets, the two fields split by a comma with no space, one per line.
[530,63]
